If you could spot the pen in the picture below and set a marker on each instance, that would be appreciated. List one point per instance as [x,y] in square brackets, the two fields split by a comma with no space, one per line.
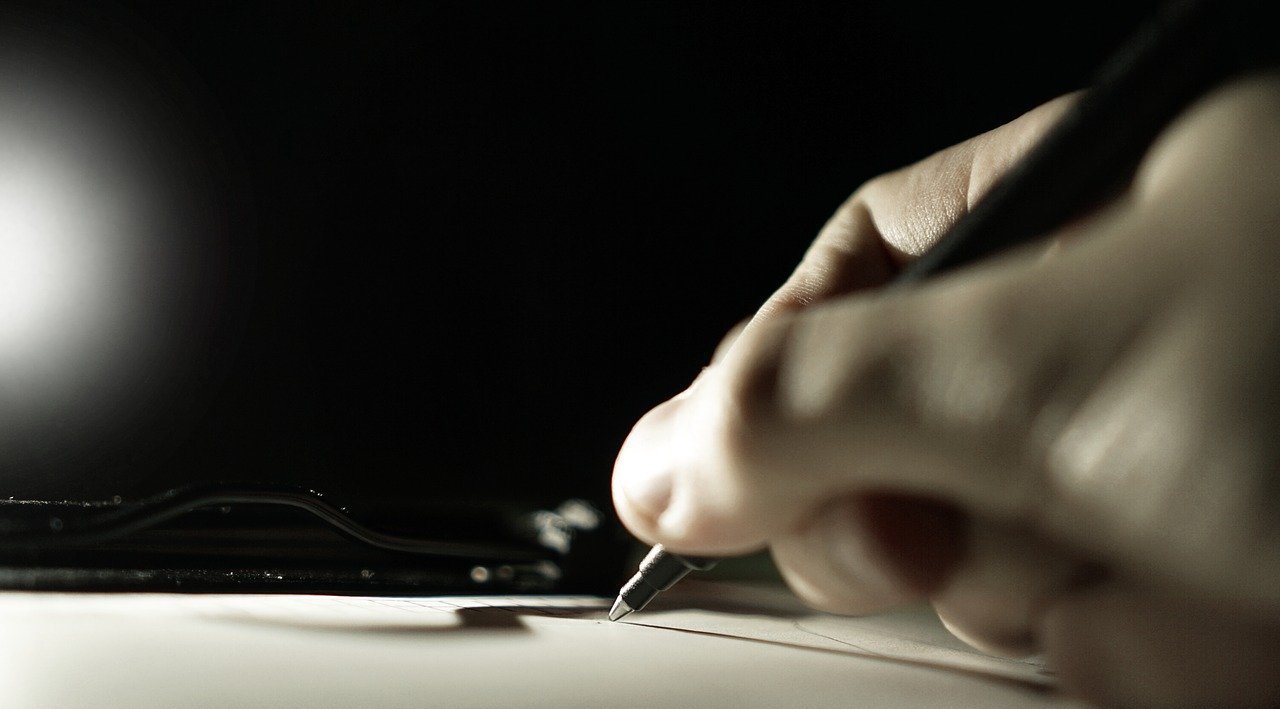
[659,570]
[1179,53]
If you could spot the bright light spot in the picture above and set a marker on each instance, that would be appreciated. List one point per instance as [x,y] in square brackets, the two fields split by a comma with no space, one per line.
[110,217]
[53,288]
[70,274]
[46,263]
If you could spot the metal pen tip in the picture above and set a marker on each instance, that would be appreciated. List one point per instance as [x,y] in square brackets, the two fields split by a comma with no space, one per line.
[620,609]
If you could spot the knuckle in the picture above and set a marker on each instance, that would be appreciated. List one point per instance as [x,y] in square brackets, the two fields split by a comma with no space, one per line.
[850,218]
[820,272]
[979,373]
[995,385]
[839,363]
[846,256]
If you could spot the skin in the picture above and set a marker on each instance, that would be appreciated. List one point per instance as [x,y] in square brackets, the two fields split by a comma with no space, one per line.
[1071,449]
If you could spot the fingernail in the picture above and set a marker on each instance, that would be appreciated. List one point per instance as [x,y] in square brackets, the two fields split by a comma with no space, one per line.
[838,533]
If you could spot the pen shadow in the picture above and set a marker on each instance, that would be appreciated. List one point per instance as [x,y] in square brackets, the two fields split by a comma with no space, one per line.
[736,600]
[485,619]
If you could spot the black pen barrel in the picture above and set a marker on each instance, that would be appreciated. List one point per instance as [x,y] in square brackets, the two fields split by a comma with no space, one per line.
[1177,56]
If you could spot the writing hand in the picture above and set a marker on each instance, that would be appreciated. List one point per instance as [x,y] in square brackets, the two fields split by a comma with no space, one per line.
[1071,448]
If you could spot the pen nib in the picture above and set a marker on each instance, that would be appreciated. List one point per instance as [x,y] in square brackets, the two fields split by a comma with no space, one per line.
[620,609]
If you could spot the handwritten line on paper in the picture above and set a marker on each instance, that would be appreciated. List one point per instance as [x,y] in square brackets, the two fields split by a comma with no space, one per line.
[771,614]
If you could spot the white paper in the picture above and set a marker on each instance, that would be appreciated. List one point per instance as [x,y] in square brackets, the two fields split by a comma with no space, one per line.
[145,651]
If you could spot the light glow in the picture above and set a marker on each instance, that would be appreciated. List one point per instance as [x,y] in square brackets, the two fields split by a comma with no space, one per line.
[80,229]
[52,284]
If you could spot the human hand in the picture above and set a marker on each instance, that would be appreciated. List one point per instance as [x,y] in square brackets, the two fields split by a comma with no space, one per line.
[1072,448]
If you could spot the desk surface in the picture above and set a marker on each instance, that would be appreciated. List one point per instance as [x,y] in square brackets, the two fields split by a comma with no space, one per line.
[708,644]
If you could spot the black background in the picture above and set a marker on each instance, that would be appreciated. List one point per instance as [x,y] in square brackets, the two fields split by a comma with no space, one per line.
[462,247]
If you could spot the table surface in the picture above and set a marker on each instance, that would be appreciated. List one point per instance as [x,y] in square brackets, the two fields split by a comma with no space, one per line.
[705,644]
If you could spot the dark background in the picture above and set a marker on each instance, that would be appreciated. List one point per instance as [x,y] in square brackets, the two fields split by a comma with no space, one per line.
[457,249]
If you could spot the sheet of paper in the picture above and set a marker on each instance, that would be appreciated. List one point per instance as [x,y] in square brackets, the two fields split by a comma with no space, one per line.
[725,646]
[769,613]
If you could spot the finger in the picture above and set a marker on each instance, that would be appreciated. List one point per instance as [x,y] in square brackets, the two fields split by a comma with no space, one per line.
[898,216]
[995,596]
[1116,646]
[685,452]
[869,552]
[988,582]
